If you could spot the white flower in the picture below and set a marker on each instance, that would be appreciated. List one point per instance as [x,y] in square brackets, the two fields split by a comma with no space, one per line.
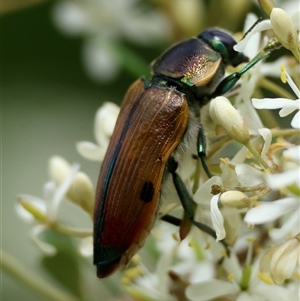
[281,261]
[81,192]
[287,106]
[66,182]
[242,284]
[179,263]
[105,120]
[45,210]
[222,221]
[103,24]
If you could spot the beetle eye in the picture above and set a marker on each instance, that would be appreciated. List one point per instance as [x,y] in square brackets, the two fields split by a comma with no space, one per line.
[223,43]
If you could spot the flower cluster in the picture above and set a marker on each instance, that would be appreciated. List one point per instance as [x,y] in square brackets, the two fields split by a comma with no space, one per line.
[252,202]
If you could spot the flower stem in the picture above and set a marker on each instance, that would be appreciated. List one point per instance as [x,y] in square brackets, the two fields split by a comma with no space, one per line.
[255,153]
[72,231]
[131,61]
[276,89]
[284,132]
[31,280]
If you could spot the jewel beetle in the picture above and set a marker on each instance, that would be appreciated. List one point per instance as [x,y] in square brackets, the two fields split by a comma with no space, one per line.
[157,121]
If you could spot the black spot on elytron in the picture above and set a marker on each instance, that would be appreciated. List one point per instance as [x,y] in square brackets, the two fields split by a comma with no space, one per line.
[194,157]
[147,192]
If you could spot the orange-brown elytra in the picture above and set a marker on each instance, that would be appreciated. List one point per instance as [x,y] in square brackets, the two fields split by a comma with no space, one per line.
[157,121]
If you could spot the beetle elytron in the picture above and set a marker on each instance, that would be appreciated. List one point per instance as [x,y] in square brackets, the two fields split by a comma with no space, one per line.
[158,119]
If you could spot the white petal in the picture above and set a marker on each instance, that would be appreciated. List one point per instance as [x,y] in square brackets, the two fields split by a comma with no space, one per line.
[47,248]
[292,84]
[162,268]
[291,226]
[91,151]
[228,174]
[203,194]
[273,103]
[296,121]
[248,111]
[49,192]
[287,110]
[61,191]
[244,296]
[253,43]
[217,218]
[202,271]
[248,175]
[86,247]
[267,292]
[232,266]
[278,181]
[268,212]
[209,290]
[292,153]
[261,26]
[267,136]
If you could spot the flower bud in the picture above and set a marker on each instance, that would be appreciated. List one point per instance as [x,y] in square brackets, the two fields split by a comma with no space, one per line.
[281,260]
[105,121]
[285,30]
[234,199]
[222,112]
[81,192]
[59,168]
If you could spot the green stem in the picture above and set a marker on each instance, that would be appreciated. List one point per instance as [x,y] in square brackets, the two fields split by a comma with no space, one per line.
[284,132]
[31,280]
[276,89]
[255,153]
[131,61]
[72,231]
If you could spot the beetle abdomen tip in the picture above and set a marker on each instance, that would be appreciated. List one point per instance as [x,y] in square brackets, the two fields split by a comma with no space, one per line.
[104,269]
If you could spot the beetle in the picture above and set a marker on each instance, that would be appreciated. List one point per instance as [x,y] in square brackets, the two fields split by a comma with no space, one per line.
[157,121]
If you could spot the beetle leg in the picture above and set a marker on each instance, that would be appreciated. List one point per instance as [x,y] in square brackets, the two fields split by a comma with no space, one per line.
[201,150]
[171,219]
[188,203]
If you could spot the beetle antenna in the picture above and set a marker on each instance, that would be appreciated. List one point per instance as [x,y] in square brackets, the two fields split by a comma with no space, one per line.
[251,28]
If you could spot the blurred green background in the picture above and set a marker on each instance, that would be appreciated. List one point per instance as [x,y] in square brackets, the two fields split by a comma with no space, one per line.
[49,103]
